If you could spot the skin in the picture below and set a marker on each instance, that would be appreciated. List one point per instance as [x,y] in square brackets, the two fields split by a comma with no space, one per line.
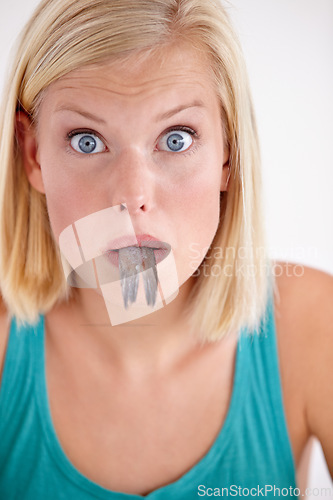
[156,364]
[173,196]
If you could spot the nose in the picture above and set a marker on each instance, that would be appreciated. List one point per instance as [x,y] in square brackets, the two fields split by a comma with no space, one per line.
[132,183]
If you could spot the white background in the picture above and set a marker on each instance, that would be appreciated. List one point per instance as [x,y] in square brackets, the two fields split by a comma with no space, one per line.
[288,48]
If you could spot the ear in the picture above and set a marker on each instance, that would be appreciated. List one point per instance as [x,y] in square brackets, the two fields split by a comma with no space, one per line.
[27,139]
[225,171]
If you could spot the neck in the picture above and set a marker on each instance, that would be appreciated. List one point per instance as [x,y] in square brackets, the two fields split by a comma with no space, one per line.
[154,343]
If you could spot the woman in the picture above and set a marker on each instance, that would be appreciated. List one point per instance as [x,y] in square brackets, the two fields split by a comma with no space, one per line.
[144,108]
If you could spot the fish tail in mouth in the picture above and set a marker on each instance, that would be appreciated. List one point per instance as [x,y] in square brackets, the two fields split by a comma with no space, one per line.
[132,261]
[150,279]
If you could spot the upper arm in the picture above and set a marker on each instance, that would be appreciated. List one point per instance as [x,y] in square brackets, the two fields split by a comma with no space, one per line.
[304,314]
[319,354]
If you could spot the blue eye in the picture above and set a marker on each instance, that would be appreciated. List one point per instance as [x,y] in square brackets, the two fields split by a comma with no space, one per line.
[87,143]
[176,141]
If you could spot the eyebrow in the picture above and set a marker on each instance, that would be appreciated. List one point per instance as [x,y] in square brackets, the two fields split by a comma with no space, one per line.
[178,109]
[161,117]
[81,112]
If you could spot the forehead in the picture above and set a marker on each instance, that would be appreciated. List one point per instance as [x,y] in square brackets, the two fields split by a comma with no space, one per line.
[178,69]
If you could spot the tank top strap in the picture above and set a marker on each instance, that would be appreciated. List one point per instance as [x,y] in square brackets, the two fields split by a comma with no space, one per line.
[23,354]
[262,415]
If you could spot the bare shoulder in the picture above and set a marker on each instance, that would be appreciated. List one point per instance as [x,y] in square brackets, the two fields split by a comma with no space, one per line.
[304,299]
[4,332]
[304,295]
[304,321]
[311,284]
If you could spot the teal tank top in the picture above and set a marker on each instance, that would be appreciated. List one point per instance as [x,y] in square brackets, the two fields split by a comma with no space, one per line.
[251,455]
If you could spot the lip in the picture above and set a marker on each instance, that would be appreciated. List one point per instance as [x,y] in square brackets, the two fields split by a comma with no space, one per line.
[161,248]
[138,240]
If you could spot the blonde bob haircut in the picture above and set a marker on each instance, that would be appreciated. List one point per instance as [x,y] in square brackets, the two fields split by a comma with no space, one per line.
[234,281]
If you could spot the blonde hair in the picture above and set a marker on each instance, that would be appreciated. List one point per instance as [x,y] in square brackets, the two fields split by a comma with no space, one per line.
[63,35]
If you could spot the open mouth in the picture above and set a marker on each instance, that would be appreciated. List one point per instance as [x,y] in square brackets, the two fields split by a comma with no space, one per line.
[142,258]
[161,251]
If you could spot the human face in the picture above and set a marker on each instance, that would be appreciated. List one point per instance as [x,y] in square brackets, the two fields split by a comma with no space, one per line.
[155,143]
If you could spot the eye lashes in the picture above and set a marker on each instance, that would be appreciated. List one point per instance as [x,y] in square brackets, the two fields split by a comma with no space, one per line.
[183,129]
[81,131]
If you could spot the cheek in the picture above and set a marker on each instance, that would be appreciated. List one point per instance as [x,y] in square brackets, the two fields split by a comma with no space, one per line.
[202,208]
[201,195]
[198,216]
[64,197]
